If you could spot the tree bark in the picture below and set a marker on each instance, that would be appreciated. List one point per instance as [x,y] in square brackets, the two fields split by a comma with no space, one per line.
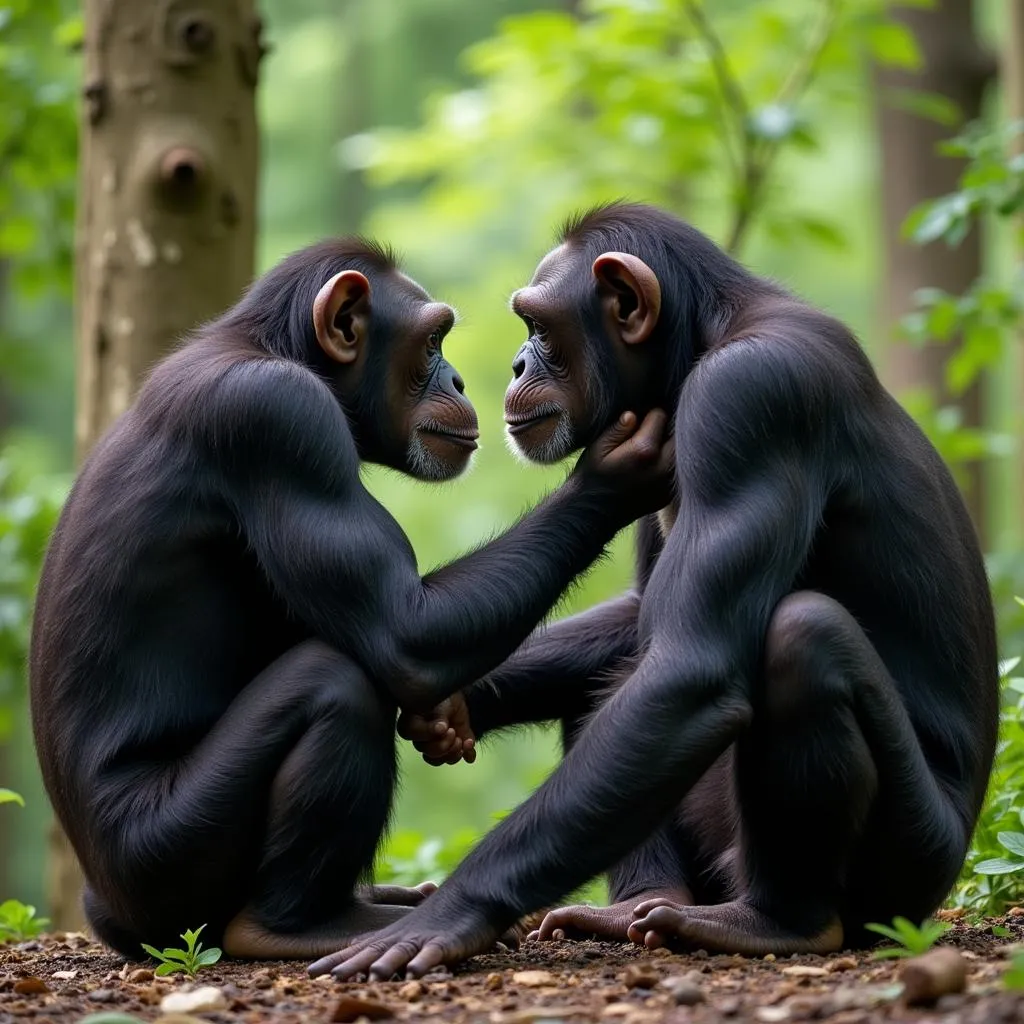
[1012,79]
[166,226]
[956,67]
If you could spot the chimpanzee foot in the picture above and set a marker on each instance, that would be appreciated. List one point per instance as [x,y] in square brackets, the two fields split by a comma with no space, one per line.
[247,939]
[736,927]
[612,922]
[397,895]
[434,933]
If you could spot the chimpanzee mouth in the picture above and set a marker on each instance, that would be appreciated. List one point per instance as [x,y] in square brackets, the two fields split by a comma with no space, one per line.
[466,438]
[521,424]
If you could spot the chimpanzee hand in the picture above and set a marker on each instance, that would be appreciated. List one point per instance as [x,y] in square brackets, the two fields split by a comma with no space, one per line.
[443,735]
[637,463]
[605,922]
[437,932]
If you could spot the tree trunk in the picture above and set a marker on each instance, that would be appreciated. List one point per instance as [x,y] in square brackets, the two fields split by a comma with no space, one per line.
[1012,76]
[957,68]
[166,215]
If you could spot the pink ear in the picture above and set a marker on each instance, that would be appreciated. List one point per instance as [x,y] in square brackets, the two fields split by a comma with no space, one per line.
[340,313]
[625,275]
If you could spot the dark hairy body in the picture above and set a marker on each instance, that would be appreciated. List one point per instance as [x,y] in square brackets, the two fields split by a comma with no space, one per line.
[786,730]
[228,622]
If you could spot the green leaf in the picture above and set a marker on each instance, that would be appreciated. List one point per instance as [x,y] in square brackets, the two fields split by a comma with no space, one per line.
[152,951]
[168,968]
[1001,931]
[8,796]
[891,953]
[1013,841]
[998,866]
[181,955]
[208,957]
[885,930]
[893,44]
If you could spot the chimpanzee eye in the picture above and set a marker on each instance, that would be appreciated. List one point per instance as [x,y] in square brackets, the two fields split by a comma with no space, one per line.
[534,328]
[434,341]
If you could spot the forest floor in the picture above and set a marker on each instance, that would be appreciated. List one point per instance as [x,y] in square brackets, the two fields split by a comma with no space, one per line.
[63,978]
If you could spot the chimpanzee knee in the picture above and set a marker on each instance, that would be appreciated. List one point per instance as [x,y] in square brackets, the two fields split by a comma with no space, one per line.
[810,640]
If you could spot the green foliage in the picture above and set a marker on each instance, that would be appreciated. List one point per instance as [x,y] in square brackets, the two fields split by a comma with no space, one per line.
[28,513]
[18,922]
[910,940]
[993,875]
[410,857]
[191,960]
[673,101]
[1013,978]
[8,796]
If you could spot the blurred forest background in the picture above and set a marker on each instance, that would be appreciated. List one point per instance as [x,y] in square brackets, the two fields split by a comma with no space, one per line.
[808,136]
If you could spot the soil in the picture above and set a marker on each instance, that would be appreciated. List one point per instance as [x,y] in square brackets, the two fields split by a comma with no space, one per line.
[63,978]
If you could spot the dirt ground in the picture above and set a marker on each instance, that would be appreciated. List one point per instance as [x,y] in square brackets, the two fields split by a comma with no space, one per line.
[63,978]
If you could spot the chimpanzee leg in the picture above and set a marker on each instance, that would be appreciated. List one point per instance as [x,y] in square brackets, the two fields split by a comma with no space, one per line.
[279,811]
[830,742]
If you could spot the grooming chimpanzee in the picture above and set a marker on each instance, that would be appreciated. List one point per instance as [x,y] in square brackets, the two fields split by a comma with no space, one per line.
[228,622]
[807,708]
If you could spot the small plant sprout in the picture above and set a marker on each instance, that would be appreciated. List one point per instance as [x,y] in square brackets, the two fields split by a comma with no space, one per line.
[18,922]
[910,940]
[192,959]
[8,796]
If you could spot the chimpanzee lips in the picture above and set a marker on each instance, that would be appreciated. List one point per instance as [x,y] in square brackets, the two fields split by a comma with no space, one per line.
[521,424]
[465,438]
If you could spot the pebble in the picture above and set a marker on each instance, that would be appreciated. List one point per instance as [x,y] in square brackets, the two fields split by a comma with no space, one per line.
[729,1006]
[101,995]
[198,1000]
[939,972]
[140,974]
[683,990]
[263,978]
[65,975]
[349,1009]
[803,971]
[494,982]
[411,991]
[772,1014]
[842,963]
[30,987]
[640,976]
[533,979]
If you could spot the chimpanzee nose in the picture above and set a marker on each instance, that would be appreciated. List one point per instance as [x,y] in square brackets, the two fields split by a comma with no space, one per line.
[519,365]
[458,383]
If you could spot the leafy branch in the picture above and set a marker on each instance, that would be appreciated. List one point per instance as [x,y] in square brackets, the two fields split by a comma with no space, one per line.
[761,132]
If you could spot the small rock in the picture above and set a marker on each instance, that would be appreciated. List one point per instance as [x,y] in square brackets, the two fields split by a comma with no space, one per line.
[699,954]
[31,986]
[729,1006]
[494,982]
[842,963]
[804,971]
[683,990]
[140,974]
[1015,912]
[411,991]
[618,1010]
[263,978]
[533,979]
[772,1014]
[65,975]
[805,1008]
[640,976]
[939,972]
[101,995]
[769,958]
[198,1000]
[950,913]
[348,1009]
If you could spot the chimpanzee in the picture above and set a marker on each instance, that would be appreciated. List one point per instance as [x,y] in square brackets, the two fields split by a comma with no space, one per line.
[228,622]
[807,708]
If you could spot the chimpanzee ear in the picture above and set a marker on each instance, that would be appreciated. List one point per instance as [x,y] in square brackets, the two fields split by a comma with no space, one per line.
[341,315]
[630,291]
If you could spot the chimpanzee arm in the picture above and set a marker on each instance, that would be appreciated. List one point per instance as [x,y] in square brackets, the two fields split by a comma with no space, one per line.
[751,494]
[343,565]
[559,670]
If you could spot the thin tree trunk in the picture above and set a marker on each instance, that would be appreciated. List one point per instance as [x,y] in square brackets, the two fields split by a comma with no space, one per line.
[167,211]
[1012,78]
[956,67]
